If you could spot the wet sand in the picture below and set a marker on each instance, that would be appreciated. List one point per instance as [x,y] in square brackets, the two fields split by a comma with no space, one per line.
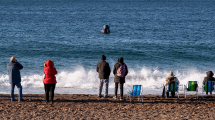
[91,107]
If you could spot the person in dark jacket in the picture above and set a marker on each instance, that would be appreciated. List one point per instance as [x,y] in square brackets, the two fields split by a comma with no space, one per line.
[103,69]
[50,79]
[120,70]
[208,78]
[13,68]
[106,29]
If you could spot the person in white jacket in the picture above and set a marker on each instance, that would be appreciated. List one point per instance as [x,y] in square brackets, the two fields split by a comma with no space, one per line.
[171,79]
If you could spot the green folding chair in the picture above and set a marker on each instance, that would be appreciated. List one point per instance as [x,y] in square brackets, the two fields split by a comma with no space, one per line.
[192,87]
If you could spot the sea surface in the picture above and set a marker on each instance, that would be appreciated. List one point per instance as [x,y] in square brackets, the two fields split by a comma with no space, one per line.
[153,36]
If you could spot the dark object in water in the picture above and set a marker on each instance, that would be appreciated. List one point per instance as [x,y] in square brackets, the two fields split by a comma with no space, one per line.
[106,29]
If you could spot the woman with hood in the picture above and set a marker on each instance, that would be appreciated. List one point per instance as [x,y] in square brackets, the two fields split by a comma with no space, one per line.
[208,78]
[50,79]
[120,70]
[171,79]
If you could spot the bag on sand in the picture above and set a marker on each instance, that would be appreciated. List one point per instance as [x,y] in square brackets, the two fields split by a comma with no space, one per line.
[121,71]
[163,93]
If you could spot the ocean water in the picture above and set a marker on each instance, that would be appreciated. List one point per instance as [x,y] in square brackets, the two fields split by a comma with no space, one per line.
[153,36]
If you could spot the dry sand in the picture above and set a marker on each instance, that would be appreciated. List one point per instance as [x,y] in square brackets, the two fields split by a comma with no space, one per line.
[80,106]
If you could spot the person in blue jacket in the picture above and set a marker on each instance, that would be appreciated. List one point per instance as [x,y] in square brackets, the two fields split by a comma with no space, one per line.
[13,68]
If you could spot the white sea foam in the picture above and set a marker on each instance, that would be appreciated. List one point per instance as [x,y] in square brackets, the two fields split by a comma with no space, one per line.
[80,78]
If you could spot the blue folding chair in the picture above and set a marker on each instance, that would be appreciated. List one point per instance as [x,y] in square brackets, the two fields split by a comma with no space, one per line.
[208,87]
[136,91]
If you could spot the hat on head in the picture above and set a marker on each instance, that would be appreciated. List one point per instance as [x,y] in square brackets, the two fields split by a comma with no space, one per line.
[170,74]
[103,57]
[12,59]
[121,60]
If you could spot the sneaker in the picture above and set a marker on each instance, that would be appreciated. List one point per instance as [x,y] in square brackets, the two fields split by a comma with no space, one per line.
[121,99]
[99,96]
[114,97]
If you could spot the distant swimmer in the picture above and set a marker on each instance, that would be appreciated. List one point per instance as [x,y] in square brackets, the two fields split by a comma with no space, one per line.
[106,29]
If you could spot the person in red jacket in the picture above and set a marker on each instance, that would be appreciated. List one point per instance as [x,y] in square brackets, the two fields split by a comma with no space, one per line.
[50,79]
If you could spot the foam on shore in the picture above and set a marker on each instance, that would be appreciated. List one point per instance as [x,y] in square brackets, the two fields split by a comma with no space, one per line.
[87,80]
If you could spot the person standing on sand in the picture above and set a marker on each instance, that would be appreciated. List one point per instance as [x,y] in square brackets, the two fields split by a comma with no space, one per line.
[171,79]
[120,70]
[50,79]
[208,78]
[104,70]
[13,68]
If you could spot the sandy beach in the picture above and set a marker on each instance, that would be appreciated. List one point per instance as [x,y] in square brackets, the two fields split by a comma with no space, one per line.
[81,106]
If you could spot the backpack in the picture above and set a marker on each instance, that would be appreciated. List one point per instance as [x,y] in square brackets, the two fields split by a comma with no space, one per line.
[121,71]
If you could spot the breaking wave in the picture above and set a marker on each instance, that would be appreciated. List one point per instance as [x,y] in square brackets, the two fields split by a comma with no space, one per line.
[88,79]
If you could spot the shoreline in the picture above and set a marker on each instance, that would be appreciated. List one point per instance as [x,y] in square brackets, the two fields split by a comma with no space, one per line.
[30,90]
[86,106]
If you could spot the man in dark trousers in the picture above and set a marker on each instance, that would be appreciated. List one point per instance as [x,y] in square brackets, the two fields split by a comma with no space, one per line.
[14,77]
[103,69]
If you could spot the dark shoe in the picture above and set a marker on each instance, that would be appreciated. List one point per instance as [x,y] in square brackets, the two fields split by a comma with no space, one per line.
[207,96]
[106,96]
[162,96]
[21,100]
[99,96]
[167,94]
[13,100]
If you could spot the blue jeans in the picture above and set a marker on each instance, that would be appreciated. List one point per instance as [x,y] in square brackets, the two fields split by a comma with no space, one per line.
[101,82]
[18,85]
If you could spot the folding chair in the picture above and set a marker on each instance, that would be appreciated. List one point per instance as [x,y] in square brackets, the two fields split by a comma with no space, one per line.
[136,91]
[208,87]
[172,87]
[192,87]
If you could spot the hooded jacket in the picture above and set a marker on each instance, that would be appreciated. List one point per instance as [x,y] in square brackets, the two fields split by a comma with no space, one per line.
[13,68]
[209,77]
[50,72]
[118,79]
[103,68]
